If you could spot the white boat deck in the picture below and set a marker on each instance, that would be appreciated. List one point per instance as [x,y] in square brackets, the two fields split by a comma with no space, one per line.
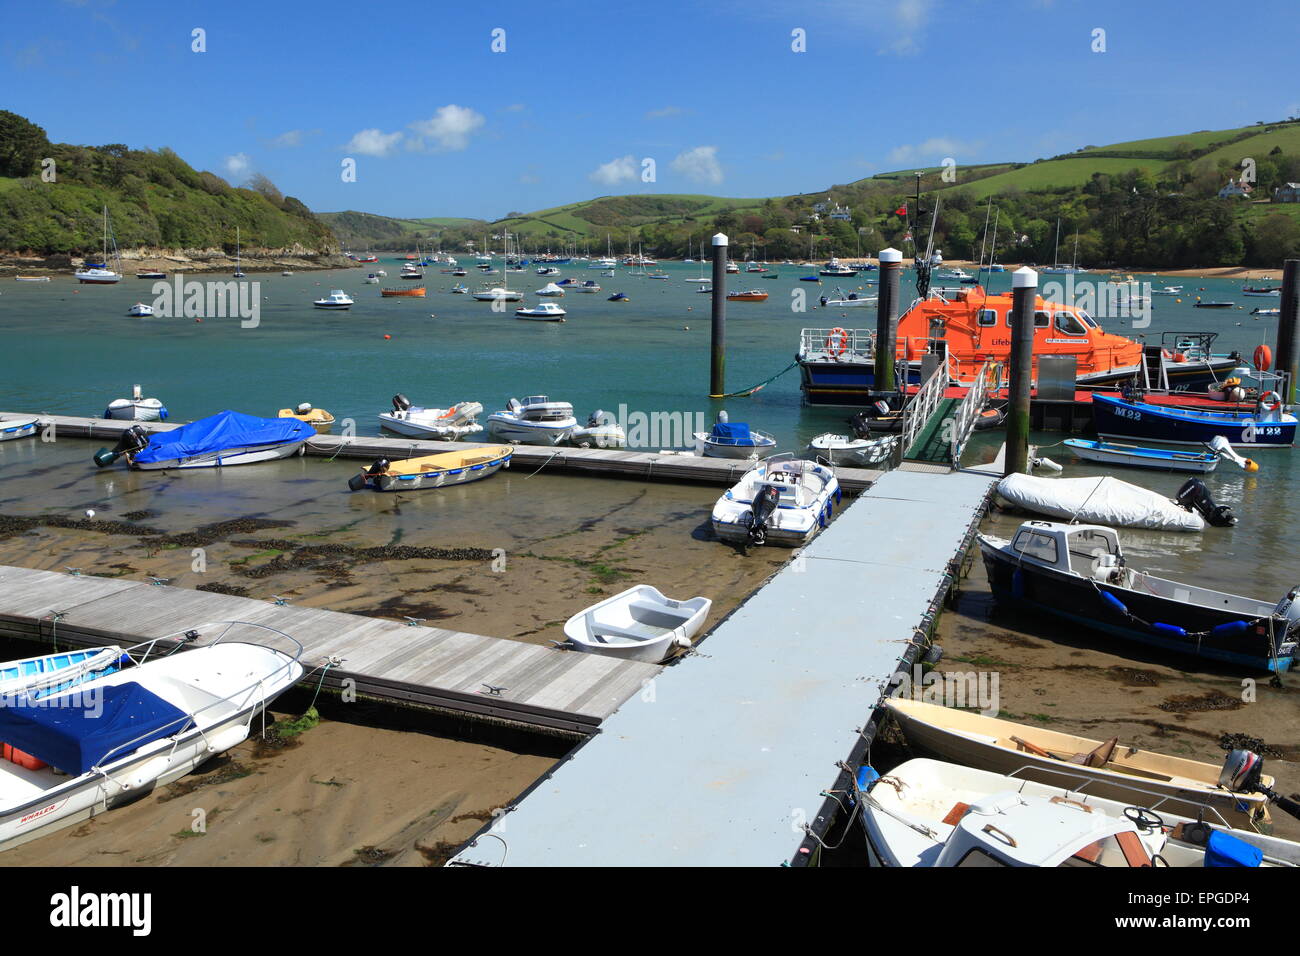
[724,758]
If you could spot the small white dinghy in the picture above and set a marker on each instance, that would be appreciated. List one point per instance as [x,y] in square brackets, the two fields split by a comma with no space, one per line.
[845,450]
[638,625]
[137,408]
[140,311]
[445,424]
[1104,500]
[926,813]
[782,499]
[602,430]
[73,754]
[19,426]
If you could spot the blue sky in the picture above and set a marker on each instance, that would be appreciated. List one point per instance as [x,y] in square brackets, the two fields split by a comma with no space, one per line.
[439,124]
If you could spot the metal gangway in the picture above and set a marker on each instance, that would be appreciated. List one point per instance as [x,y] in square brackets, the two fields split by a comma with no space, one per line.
[987,382]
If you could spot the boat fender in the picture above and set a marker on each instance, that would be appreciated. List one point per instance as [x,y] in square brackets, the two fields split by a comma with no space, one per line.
[1263,357]
[223,740]
[1113,601]
[1046,464]
[1173,630]
[681,640]
[839,495]
[146,773]
[1229,629]
[357,482]
[867,776]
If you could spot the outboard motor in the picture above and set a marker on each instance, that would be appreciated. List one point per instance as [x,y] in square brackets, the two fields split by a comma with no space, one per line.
[763,508]
[596,418]
[1289,608]
[357,482]
[1241,773]
[1194,496]
[133,440]
[401,403]
[824,300]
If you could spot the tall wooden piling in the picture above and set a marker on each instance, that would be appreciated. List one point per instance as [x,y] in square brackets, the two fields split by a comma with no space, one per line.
[891,271]
[1288,329]
[1024,295]
[718,373]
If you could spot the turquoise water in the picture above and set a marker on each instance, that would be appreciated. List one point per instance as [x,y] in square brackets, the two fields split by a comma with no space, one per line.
[71,349]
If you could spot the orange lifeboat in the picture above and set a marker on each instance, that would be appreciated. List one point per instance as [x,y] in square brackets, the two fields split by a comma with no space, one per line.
[411,292]
[754,295]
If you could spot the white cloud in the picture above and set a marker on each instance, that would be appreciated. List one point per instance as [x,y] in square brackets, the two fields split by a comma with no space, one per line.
[373,142]
[450,127]
[910,18]
[513,108]
[932,152]
[239,165]
[699,165]
[290,138]
[664,112]
[621,170]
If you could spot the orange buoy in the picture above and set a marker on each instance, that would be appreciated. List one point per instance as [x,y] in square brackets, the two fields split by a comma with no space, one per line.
[1263,357]
[387,336]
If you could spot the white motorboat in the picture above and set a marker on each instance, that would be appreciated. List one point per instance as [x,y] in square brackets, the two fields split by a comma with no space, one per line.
[591,285]
[19,426]
[140,311]
[137,408]
[1103,500]
[135,726]
[837,268]
[729,439]
[542,312]
[31,278]
[99,273]
[839,299]
[953,274]
[372,279]
[535,421]
[548,271]
[782,499]
[444,424]
[601,430]
[847,450]
[337,299]
[459,289]
[1168,290]
[639,624]
[550,290]
[926,813]
[286,272]
[221,440]
[498,294]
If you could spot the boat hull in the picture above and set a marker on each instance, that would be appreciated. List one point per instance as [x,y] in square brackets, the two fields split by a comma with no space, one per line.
[226,458]
[1153,459]
[529,433]
[17,428]
[1078,600]
[1115,418]
[441,479]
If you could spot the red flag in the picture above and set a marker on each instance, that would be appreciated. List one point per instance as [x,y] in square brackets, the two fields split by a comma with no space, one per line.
[901,210]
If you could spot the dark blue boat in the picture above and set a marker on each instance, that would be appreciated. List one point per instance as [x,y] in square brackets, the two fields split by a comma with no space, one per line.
[1265,427]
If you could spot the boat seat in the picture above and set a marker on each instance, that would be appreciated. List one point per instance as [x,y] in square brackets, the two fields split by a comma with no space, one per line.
[1099,756]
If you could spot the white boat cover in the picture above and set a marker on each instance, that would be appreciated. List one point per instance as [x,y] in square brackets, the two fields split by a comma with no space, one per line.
[1104,500]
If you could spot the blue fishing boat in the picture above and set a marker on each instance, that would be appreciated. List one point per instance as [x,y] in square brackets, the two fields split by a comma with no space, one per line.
[36,677]
[1267,426]
[1159,459]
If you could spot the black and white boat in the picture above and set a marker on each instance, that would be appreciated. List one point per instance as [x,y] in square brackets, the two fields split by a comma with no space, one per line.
[1077,572]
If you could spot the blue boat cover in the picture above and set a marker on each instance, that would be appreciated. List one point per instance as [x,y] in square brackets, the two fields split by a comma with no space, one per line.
[76,738]
[1224,849]
[737,433]
[223,430]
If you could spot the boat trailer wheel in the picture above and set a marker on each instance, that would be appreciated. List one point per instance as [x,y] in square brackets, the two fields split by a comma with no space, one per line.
[1144,819]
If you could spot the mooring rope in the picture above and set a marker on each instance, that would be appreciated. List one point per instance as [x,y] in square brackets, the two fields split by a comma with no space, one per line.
[754,388]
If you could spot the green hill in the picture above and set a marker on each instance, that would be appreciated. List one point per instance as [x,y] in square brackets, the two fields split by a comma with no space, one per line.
[154,199]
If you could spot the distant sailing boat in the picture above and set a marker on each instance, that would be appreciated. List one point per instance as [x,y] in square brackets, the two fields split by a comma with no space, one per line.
[99,273]
[239,273]
[1056,268]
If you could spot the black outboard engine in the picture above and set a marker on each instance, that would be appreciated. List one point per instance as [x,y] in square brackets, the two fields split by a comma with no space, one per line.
[824,300]
[133,440]
[357,482]
[401,403]
[763,508]
[1194,496]
[1241,773]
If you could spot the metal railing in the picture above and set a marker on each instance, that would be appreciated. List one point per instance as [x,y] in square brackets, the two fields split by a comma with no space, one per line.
[968,412]
[838,344]
[921,407]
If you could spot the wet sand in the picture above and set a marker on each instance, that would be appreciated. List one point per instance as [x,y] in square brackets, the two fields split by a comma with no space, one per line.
[1052,674]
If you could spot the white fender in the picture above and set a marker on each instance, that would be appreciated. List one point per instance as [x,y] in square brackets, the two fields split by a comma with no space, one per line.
[146,773]
[223,740]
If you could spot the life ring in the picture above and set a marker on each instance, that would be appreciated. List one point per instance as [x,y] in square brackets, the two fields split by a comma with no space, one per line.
[1263,357]
[843,341]
[1265,405]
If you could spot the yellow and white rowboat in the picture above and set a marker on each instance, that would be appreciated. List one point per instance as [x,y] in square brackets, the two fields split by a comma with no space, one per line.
[317,418]
[434,471]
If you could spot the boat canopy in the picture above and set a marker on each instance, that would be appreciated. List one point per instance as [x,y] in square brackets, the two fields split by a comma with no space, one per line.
[220,431]
[75,739]
[736,433]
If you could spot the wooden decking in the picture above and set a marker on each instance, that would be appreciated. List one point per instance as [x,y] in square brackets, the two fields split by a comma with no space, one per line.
[539,687]
[649,466]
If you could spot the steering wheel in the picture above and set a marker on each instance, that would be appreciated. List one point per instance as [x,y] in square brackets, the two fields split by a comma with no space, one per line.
[1144,819]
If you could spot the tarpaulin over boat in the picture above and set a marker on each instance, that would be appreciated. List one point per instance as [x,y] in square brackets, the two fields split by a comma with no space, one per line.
[76,738]
[1103,500]
[735,432]
[221,431]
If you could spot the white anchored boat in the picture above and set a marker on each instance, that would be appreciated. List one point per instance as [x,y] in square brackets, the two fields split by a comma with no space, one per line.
[99,273]
[640,624]
[133,726]
[601,430]
[337,299]
[728,439]
[542,312]
[19,426]
[137,408]
[846,450]
[535,421]
[442,424]
[782,499]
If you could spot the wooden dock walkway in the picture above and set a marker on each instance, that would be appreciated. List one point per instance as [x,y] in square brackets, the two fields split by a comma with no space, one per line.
[538,687]
[610,462]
